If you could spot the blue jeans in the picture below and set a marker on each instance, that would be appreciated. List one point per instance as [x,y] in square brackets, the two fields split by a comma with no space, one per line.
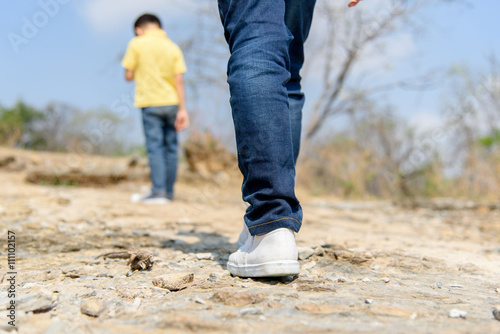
[266,102]
[161,144]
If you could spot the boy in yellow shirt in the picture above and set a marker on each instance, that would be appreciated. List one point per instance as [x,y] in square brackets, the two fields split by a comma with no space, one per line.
[157,66]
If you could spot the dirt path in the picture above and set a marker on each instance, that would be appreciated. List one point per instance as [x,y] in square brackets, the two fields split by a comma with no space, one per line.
[379,268]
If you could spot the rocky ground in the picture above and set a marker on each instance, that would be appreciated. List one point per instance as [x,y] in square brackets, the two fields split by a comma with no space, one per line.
[366,267]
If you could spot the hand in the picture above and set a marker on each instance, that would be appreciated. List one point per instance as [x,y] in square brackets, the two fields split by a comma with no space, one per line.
[182,120]
[353,3]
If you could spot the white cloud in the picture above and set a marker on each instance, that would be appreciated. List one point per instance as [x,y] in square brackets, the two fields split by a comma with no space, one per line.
[108,16]
[392,51]
[425,120]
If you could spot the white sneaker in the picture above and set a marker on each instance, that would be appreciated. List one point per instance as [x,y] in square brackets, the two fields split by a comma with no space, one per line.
[245,233]
[270,254]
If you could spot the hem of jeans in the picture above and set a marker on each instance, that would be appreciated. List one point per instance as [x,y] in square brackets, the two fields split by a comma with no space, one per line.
[276,223]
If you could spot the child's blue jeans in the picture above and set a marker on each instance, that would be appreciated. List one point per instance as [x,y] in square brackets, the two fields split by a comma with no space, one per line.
[266,39]
[161,144]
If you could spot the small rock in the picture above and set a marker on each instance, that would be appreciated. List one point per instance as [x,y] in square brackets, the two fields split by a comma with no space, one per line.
[309,265]
[386,280]
[274,304]
[413,316]
[368,301]
[39,303]
[137,302]
[376,267]
[366,280]
[457,314]
[437,285]
[305,252]
[250,310]
[204,256]
[496,312]
[159,290]
[237,299]
[341,280]
[198,300]
[141,233]
[497,290]
[93,307]
[287,279]
[319,251]
[217,275]
[174,282]
[110,234]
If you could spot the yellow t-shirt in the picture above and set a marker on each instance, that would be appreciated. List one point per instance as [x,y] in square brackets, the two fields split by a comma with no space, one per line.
[155,60]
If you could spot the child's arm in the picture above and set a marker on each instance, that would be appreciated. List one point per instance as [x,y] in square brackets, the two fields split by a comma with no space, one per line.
[353,3]
[129,75]
[182,120]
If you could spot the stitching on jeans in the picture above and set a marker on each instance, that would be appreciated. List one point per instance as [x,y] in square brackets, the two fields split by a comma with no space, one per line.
[272,221]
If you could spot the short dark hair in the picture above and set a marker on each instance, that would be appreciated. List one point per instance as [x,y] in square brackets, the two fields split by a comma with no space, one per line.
[145,19]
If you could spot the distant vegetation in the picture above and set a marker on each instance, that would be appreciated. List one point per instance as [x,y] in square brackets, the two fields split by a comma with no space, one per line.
[61,128]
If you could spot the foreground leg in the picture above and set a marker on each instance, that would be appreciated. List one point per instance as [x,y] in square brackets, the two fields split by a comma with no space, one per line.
[257,71]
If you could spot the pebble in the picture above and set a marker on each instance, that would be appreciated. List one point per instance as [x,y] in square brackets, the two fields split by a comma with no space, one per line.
[287,279]
[174,282]
[341,279]
[496,312]
[319,251]
[198,300]
[37,303]
[376,267]
[309,265]
[110,234]
[305,252]
[137,302]
[141,233]
[216,275]
[251,310]
[386,280]
[457,314]
[368,301]
[93,307]
[436,285]
[160,290]
[497,290]
[204,256]
[366,280]
[228,297]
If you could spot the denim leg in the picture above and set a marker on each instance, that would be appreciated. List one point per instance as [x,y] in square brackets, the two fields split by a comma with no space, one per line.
[170,149]
[298,19]
[153,131]
[257,71]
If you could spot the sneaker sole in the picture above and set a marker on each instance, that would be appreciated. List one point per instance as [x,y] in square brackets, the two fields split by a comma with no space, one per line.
[137,198]
[155,201]
[268,269]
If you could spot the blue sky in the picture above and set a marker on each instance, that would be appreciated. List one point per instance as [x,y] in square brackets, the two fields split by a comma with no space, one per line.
[72,56]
